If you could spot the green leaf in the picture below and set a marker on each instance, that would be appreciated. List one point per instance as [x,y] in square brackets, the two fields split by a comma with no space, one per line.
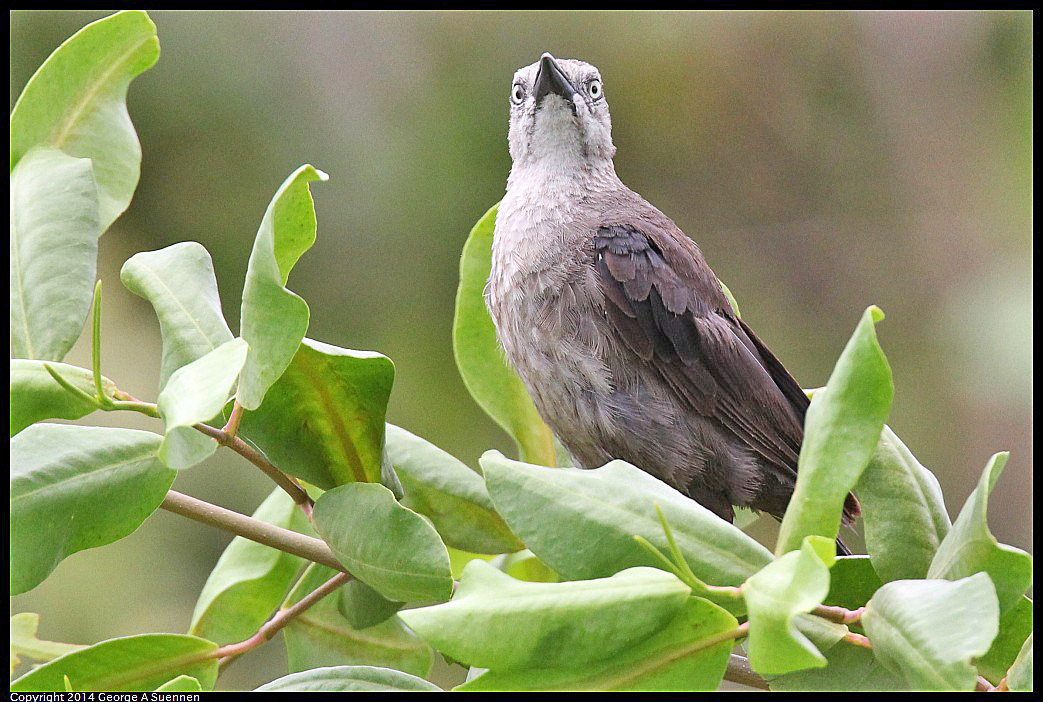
[321,637]
[54,251]
[25,643]
[452,495]
[323,420]
[274,319]
[387,546]
[61,476]
[841,431]
[363,606]
[852,582]
[349,678]
[582,523]
[929,630]
[492,383]
[971,548]
[849,668]
[250,579]
[196,393]
[130,663]
[36,396]
[1015,627]
[495,621]
[179,283]
[1019,678]
[902,510]
[76,102]
[182,683]
[795,583]
[524,565]
[690,653]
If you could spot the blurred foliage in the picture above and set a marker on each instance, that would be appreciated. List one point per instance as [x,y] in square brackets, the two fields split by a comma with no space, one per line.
[823,161]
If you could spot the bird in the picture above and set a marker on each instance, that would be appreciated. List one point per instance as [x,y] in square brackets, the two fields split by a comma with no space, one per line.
[617,326]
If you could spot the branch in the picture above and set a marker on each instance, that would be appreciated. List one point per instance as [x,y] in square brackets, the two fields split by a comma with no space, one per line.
[739,671]
[306,547]
[287,483]
[229,653]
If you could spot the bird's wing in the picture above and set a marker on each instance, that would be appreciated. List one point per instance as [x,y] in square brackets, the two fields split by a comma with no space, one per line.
[668,308]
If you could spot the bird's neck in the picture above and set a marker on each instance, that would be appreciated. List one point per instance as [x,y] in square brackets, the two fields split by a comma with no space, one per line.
[561,179]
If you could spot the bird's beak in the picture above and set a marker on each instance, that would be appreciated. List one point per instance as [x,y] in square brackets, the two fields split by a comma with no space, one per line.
[550,79]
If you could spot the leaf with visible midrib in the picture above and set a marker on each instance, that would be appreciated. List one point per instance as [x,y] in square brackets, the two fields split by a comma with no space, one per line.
[971,548]
[36,396]
[180,284]
[582,523]
[54,251]
[495,621]
[323,419]
[76,102]
[131,663]
[929,631]
[60,474]
[690,653]
[273,318]
[841,431]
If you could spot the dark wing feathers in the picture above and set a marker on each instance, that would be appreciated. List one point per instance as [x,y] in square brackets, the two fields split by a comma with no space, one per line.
[673,314]
[668,308]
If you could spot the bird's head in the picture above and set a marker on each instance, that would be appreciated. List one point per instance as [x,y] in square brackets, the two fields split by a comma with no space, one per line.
[559,114]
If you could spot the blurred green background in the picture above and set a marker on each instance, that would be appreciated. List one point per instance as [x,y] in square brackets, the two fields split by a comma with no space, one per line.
[823,162]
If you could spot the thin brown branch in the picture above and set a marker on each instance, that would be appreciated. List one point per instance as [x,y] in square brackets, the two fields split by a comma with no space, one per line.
[286,482]
[306,547]
[226,654]
[231,427]
[840,615]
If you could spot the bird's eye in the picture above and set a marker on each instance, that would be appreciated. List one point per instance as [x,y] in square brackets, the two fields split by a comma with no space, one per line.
[518,93]
[594,89]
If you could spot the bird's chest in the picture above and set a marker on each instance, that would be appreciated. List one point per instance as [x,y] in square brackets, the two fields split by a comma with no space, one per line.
[546,304]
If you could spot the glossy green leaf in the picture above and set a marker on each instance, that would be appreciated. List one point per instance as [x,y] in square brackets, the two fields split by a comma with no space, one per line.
[902,510]
[971,548]
[582,523]
[363,606]
[250,579]
[350,678]
[321,637]
[182,683]
[1019,678]
[179,283]
[841,431]
[323,420]
[60,475]
[389,547]
[449,493]
[36,396]
[495,621]
[54,251]
[24,641]
[492,383]
[852,582]
[76,102]
[928,631]
[849,668]
[690,653]
[274,319]
[142,662]
[1015,627]
[197,393]
[794,584]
